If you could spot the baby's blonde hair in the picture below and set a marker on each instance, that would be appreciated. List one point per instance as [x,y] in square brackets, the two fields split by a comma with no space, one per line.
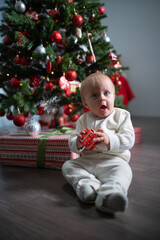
[93,77]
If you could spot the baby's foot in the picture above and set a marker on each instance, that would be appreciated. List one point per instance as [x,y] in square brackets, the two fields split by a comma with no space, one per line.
[86,193]
[115,202]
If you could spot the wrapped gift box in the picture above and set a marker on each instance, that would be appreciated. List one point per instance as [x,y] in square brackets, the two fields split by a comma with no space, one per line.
[44,150]
[138,134]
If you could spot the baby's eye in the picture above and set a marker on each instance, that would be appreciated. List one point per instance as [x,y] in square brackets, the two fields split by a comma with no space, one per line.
[106,93]
[95,95]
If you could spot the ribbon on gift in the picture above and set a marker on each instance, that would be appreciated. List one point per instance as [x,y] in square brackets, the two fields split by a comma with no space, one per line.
[42,143]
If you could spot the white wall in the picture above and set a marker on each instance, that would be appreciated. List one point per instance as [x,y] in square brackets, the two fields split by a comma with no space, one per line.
[134,30]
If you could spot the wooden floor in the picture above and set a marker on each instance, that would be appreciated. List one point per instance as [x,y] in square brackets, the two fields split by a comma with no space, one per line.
[37,204]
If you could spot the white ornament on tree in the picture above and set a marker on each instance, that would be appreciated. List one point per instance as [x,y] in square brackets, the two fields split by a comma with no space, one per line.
[20,7]
[41,49]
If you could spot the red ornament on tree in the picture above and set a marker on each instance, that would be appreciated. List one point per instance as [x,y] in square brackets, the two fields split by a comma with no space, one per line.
[19,120]
[70,75]
[54,13]
[10,116]
[101,10]
[48,86]
[6,40]
[49,66]
[14,82]
[89,59]
[2,113]
[16,59]
[32,15]
[34,81]
[56,36]
[40,110]
[74,118]
[24,62]
[58,59]
[68,110]
[77,20]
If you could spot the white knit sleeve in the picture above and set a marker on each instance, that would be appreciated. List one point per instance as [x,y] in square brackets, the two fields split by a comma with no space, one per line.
[124,138]
[73,139]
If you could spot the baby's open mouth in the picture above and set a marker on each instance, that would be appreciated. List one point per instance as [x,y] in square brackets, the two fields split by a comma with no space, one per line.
[103,107]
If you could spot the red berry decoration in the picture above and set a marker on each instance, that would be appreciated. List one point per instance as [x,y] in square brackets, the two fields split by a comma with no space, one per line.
[10,116]
[77,20]
[48,86]
[70,75]
[89,59]
[101,10]
[40,110]
[74,118]
[56,36]
[19,120]
[14,82]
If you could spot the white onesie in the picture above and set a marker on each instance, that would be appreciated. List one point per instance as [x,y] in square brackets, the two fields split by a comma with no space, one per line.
[106,170]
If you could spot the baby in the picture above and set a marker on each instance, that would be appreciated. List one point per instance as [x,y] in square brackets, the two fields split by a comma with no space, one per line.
[103,175]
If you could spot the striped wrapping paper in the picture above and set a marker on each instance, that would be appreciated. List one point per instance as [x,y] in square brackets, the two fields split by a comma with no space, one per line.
[23,150]
[138,135]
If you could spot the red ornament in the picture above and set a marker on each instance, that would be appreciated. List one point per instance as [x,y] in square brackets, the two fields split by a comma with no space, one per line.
[77,20]
[70,75]
[49,66]
[89,59]
[40,110]
[54,13]
[32,15]
[19,120]
[2,113]
[101,10]
[68,110]
[10,116]
[6,40]
[34,81]
[74,118]
[56,36]
[16,60]
[58,59]
[14,82]
[63,83]
[48,86]
[24,62]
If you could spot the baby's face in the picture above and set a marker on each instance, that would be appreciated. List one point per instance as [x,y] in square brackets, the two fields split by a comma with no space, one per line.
[99,97]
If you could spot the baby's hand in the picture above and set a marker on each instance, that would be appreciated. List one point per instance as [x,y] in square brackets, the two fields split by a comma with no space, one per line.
[102,137]
[79,144]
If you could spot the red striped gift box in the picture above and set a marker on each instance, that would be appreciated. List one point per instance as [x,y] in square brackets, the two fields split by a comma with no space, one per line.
[44,150]
[138,134]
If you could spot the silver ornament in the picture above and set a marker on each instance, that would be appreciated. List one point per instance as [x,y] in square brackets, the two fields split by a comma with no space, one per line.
[32,127]
[106,38]
[20,7]
[41,49]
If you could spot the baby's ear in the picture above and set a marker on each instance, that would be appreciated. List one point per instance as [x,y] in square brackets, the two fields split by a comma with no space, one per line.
[84,103]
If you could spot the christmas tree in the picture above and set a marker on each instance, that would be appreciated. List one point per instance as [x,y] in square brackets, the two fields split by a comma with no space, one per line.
[48,48]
